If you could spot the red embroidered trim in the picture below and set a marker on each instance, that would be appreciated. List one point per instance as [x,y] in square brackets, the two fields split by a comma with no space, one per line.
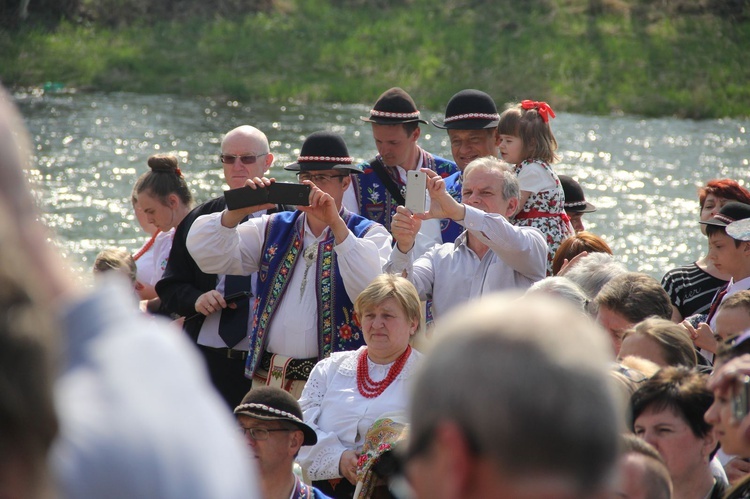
[541,214]
[329,159]
[147,246]
[386,114]
[472,116]
[371,389]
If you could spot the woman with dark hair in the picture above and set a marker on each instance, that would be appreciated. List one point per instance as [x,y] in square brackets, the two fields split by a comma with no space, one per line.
[667,412]
[165,198]
[692,287]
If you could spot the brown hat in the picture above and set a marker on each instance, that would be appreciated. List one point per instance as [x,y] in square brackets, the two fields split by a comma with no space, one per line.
[274,404]
[393,107]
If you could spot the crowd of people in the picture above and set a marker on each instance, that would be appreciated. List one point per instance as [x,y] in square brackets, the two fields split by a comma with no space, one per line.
[484,346]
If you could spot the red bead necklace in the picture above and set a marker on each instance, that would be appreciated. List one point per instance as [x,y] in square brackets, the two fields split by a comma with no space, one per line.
[371,389]
[147,246]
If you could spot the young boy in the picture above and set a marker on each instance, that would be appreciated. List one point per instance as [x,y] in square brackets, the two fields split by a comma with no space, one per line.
[729,256]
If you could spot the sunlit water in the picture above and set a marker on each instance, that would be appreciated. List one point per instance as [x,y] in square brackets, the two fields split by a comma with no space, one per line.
[642,174]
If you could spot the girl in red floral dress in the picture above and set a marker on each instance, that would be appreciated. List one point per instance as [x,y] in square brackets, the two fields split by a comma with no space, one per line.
[526,140]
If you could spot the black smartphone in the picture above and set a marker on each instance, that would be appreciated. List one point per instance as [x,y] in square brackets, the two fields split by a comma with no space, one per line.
[286,193]
[237,296]
[276,193]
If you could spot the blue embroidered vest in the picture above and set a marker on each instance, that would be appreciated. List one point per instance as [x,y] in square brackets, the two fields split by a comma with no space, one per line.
[337,328]
[376,203]
[450,229]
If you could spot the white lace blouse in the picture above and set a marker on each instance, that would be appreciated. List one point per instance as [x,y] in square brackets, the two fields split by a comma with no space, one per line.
[340,415]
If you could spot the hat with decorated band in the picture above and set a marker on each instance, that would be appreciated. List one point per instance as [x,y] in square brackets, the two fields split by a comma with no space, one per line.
[729,213]
[270,403]
[575,201]
[393,107]
[469,110]
[324,151]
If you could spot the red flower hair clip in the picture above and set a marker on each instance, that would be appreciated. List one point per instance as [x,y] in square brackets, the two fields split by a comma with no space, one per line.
[542,108]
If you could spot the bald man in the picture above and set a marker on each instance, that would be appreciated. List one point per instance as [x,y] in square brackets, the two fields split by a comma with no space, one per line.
[221,332]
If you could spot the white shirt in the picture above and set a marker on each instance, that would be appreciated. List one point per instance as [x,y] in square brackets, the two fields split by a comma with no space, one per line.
[160,252]
[732,288]
[451,273]
[535,178]
[138,414]
[145,264]
[237,251]
[332,405]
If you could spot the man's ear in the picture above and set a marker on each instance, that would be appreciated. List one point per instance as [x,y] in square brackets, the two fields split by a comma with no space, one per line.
[455,460]
[512,207]
[295,442]
[269,160]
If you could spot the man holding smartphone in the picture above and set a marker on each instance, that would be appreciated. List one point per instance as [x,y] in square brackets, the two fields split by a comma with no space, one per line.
[312,264]
[219,329]
[380,188]
[490,255]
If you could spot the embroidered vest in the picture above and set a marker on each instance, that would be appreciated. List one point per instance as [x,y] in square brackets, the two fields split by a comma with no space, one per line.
[337,328]
[449,229]
[376,203]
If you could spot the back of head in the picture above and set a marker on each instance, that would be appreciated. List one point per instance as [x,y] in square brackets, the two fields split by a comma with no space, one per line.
[635,296]
[533,398]
[119,259]
[674,341]
[562,288]
[593,271]
[650,474]
[577,244]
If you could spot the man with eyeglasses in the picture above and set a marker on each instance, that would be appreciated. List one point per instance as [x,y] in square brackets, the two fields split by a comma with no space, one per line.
[219,330]
[270,420]
[377,192]
[312,264]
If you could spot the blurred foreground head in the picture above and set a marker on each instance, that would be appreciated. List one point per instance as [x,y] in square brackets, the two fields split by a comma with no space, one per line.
[28,423]
[514,400]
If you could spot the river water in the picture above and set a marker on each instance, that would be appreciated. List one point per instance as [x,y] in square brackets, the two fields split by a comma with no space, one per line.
[642,174]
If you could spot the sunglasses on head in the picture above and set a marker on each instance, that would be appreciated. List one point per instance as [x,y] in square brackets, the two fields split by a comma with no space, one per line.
[229,159]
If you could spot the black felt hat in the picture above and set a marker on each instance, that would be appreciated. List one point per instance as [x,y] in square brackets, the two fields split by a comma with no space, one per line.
[274,404]
[394,107]
[729,213]
[575,201]
[469,110]
[324,151]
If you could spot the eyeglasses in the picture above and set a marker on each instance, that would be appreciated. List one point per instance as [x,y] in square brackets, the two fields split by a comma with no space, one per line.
[229,159]
[259,433]
[318,179]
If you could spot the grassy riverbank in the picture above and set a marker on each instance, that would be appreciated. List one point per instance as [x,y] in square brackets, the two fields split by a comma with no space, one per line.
[646,61]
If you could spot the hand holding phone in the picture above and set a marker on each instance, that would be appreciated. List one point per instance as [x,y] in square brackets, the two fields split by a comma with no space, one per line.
[276,193]
[416,191]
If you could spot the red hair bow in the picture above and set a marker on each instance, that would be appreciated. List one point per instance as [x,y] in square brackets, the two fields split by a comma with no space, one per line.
[542,108]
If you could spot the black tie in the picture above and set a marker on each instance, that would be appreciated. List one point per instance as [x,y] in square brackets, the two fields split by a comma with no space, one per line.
[233,322]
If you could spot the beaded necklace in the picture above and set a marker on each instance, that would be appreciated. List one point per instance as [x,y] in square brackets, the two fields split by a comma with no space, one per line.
[371,389]
[147,246]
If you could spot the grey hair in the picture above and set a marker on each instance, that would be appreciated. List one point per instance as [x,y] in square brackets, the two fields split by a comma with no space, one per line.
[563,288]
[503,170]
[533,395]
[592,272]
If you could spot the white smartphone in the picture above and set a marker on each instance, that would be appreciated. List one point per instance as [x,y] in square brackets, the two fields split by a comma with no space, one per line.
[416,191]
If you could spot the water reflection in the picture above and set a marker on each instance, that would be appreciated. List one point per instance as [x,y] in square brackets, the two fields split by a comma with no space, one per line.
[643,175]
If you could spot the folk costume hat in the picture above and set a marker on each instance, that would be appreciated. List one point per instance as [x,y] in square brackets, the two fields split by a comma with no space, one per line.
[274,404]
[469,110]
[575,201]
[394,107]
[729,213]
[324,151]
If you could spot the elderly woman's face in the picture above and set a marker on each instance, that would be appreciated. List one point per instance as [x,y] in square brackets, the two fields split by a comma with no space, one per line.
[683,452]
[387,330]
